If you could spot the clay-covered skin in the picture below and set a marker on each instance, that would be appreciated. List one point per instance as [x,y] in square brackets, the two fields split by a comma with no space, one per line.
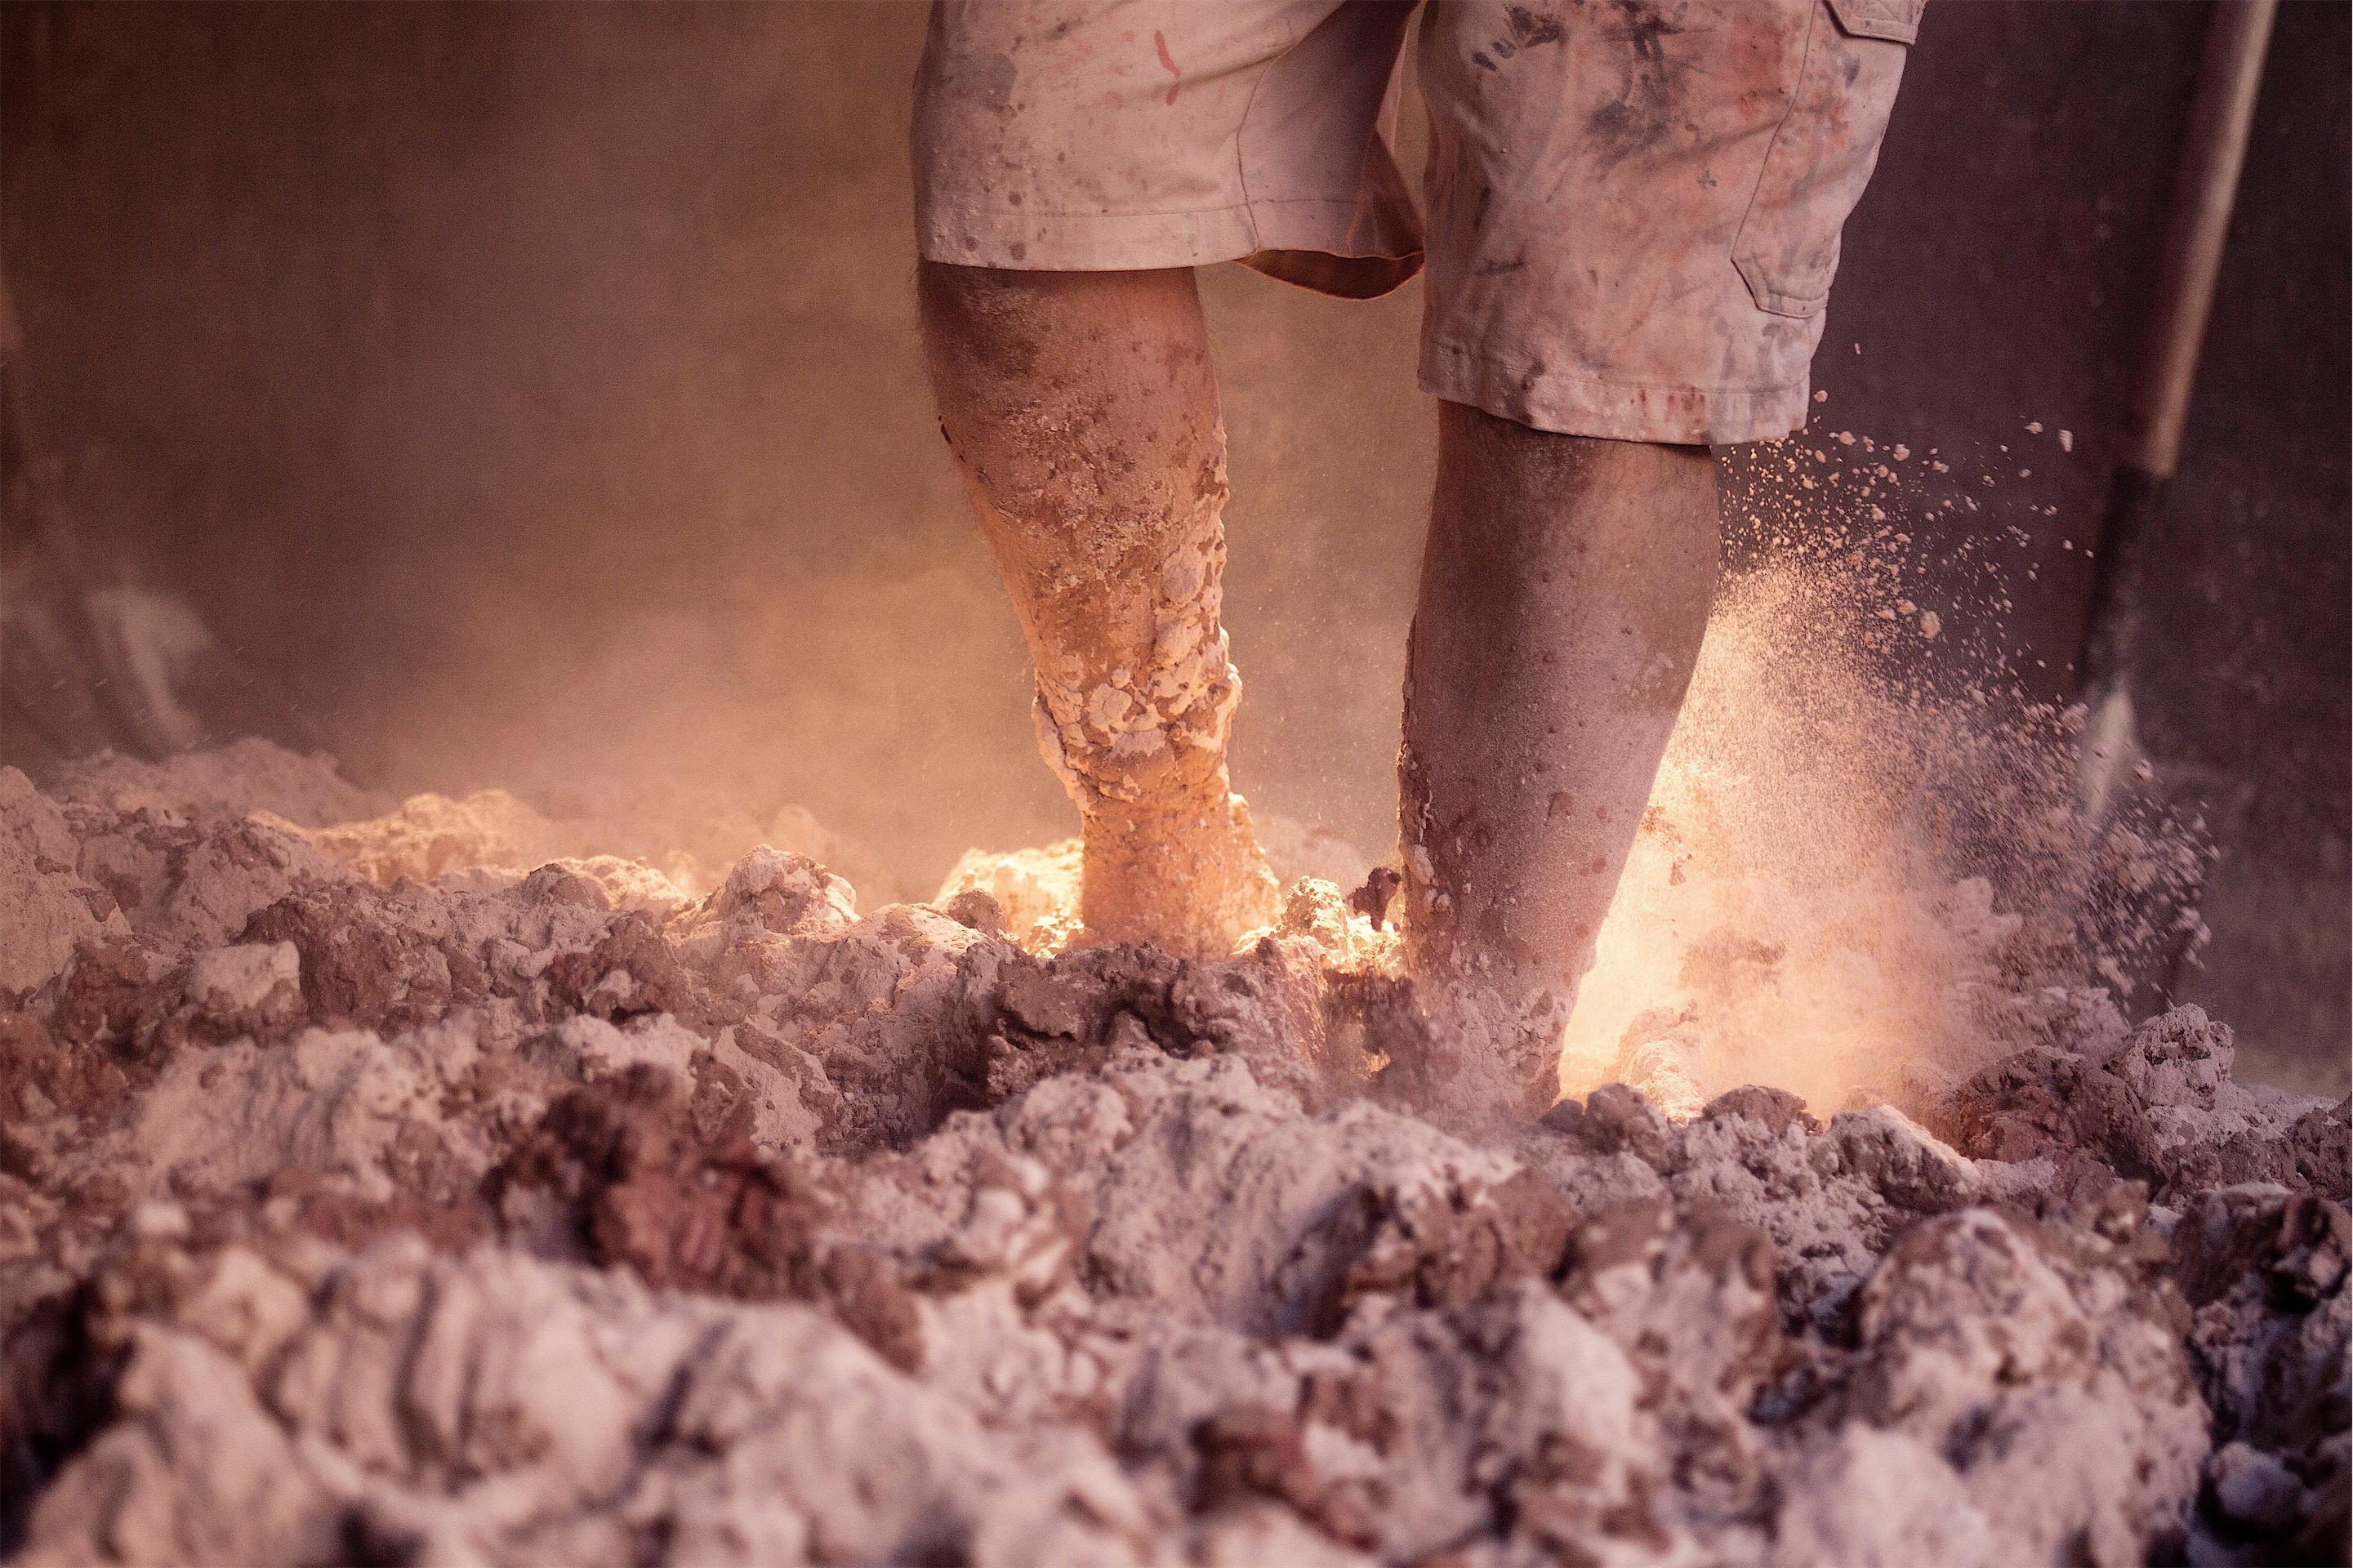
[1082,412]
[1564,592]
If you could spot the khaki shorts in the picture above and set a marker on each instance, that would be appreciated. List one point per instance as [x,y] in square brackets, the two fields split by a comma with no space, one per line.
[1633,207]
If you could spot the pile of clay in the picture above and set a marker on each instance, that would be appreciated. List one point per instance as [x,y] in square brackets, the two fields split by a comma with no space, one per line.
[417,1185]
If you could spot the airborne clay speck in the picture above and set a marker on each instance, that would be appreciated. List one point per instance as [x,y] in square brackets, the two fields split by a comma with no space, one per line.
[571,1212]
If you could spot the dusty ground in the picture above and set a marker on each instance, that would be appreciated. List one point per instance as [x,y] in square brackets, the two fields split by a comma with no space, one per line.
[481,370]
[422,1185]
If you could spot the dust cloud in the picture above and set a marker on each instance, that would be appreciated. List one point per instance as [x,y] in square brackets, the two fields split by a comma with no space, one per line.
[536,390]
[1866,870]
[594,1172]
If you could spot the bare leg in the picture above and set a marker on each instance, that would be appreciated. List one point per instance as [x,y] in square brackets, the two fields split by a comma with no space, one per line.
[1564,593]
[1084,413]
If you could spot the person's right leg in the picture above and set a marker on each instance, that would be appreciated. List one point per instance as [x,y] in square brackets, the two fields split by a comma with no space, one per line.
[1605,303]
[1564,591]
[1084,413]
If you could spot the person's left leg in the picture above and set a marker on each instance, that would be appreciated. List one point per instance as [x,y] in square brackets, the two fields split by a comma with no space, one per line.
[1565,590]
[1084,413]
[1074,163]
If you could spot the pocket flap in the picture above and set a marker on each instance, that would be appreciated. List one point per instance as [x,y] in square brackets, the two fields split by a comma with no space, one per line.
[1897,21]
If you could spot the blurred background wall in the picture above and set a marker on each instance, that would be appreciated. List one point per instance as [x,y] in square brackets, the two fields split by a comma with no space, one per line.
[535,388]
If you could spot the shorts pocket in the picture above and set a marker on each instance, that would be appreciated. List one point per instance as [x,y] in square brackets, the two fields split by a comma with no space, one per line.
[1823,153]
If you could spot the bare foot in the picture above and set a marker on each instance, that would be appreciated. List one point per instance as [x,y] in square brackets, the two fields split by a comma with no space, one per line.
[1498,1047]
[1191,880]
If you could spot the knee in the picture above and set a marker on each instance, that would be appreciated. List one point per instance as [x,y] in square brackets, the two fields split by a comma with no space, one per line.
[1003,320]
[1498,473]
[951,297]
[977,318]
[995,307]
[1490,439]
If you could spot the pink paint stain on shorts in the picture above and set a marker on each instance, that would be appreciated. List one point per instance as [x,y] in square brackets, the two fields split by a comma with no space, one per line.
[1160,42]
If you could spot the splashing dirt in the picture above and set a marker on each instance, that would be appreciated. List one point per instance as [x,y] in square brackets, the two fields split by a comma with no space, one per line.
[1859,891]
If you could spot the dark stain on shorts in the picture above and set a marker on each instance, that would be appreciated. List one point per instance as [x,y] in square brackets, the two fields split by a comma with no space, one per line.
[1644,111]
[987,79]
[1528,28]
[1644,28]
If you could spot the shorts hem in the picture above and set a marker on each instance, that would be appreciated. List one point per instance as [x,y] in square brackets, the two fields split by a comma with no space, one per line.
[974,234]
[1668,413]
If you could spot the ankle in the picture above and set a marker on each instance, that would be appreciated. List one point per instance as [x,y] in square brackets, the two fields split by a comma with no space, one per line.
[1188,877]
[1500,1037]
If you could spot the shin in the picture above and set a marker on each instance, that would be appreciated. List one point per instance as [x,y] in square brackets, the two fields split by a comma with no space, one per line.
[1564,593]
[1084,413]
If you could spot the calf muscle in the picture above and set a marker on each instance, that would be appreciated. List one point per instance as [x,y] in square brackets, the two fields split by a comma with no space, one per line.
[1564,591]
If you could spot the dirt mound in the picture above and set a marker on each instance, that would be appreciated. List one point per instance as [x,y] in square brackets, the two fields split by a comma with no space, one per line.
[370,1193]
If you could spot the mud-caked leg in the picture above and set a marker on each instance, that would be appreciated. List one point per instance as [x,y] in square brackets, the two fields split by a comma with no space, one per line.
[1084,413]
[1564,591]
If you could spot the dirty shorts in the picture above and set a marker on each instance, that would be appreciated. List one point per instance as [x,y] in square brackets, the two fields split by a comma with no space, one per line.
[1631,207]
